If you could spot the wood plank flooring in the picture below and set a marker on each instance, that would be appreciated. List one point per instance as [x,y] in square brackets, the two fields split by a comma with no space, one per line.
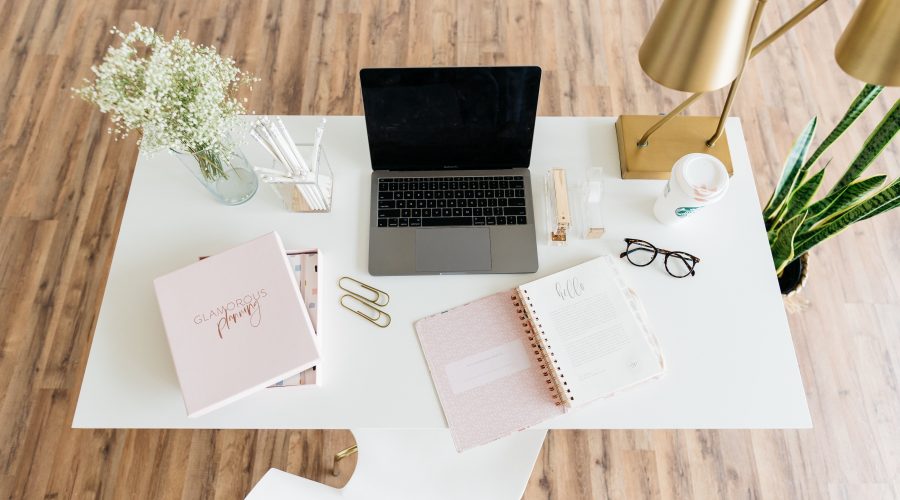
[64,182]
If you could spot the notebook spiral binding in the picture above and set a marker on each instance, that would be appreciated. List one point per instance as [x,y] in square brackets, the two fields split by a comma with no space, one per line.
[538,346]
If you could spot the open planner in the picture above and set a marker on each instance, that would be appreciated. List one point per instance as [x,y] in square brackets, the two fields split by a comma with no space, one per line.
[514,359]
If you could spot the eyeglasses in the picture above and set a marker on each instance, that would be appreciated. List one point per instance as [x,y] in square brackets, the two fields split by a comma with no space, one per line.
[641,253]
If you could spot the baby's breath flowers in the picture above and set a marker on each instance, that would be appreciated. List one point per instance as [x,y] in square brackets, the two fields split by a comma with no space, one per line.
[178,95]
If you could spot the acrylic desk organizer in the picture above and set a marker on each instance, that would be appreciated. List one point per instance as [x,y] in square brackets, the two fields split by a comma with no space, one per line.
[312,193]
[574,212]
[590,198]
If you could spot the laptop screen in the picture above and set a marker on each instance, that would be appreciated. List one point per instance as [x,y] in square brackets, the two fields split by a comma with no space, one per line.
[450,118]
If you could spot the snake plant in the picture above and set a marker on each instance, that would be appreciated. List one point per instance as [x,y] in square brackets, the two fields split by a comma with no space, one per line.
[795,221]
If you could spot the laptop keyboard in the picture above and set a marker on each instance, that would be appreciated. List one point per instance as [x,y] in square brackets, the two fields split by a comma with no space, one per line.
[451,201]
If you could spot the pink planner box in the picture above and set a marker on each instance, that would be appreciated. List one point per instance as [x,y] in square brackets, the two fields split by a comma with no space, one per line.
[305,266]
[235,323]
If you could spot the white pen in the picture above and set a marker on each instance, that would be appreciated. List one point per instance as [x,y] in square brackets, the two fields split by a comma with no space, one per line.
[277,179]
[293,147]
[284,144]
[271,151]
[275,149]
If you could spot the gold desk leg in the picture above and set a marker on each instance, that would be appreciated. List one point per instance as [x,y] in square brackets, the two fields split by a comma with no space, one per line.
[340,456]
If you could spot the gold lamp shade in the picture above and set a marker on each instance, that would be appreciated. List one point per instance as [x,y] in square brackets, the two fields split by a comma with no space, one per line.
[869,48]
[698,45]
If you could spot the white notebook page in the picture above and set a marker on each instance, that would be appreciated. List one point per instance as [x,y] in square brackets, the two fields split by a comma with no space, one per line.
[594,333]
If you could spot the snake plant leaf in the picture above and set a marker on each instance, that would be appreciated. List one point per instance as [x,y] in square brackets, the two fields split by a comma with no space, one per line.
[789,174]
[884,208]
[800,197]
[887,206]
[865,97]
[783,242]
[830,206]
[877,141]
[873,205]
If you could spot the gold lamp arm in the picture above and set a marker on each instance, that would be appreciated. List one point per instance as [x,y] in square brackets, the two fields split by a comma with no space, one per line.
[786,26]
[806,11]
[754,25]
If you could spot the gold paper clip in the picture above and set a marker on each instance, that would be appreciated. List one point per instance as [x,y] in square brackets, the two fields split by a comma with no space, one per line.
[377,295]
[373,315]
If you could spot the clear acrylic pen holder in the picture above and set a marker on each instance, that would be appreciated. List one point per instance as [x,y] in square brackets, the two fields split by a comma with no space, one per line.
[574,212]
[311,193]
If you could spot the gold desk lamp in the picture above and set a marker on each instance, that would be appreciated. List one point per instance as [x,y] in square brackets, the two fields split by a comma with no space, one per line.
[702,45]
[869,47]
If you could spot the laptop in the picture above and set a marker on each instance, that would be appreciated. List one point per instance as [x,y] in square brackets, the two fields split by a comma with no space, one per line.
[450,150]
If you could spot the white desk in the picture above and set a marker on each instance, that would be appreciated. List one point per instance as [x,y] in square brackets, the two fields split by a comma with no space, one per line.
[731,362]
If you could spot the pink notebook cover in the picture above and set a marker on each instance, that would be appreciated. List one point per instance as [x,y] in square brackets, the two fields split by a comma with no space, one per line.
[305,265]
[487,376]
[235,323]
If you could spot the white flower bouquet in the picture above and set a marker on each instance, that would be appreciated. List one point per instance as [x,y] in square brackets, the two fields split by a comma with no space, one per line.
[179,96]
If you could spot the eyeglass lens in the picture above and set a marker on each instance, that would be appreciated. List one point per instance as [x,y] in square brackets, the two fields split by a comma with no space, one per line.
[679,265]
[640,253]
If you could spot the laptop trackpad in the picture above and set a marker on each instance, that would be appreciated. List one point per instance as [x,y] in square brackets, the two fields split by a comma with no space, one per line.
[453,249]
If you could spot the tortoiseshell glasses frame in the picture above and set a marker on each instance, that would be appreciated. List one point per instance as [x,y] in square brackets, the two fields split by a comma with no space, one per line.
[641,253]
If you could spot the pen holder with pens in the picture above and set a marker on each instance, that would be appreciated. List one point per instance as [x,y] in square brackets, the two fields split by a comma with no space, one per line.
[311,193]
[300,172]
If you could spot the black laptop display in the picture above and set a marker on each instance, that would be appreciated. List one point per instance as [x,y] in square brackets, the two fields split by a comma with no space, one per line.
[458,118]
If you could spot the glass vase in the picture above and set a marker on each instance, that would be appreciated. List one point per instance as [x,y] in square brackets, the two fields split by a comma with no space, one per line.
[229,178]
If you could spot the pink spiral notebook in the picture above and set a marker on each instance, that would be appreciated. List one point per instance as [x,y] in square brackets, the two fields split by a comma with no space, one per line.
[514,359]
[235,323]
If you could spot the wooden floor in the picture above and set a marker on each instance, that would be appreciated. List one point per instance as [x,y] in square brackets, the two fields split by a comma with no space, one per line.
[64,182]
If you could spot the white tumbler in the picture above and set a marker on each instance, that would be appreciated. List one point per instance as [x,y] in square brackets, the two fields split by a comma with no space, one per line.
[698,180]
